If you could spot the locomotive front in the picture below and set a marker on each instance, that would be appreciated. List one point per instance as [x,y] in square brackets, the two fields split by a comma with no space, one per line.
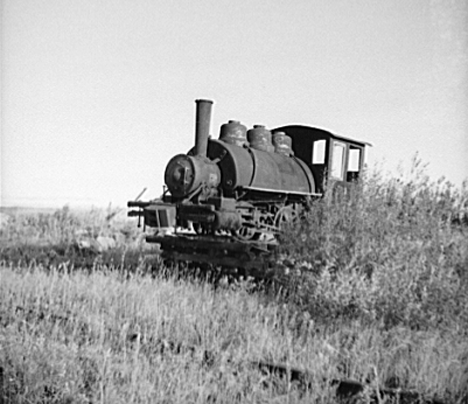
[227,196]
[237,183]
[194,173]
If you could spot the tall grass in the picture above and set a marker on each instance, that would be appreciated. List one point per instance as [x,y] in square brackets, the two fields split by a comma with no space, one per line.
[102,337]
[64,226]
[66,236]
[106,338]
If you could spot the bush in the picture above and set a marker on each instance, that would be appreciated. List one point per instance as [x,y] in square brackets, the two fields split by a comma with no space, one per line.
[390,250]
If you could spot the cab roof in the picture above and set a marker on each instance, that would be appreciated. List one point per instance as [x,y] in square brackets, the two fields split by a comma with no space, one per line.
[319,133]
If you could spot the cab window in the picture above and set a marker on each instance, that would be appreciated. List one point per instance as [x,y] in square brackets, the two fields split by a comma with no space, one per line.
[354,160]
[338,160]
[318,154]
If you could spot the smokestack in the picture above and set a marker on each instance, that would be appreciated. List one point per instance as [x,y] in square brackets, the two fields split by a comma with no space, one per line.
[202,126]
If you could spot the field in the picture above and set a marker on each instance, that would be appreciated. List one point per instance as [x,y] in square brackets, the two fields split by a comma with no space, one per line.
[371,286]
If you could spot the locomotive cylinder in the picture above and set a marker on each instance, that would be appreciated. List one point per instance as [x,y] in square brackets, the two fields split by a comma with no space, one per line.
[202,126]
[227,220]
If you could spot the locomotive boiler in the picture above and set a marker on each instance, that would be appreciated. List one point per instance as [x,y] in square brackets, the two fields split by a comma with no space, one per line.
[227,199]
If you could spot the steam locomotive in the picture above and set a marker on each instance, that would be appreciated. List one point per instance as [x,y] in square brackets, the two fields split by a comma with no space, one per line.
[227,199]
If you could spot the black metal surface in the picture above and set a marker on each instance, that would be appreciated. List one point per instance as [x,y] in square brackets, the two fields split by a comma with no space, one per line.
[221,250]
[280,172]
[202,126]
[303,138]
[233,133]
[247,167]
[259,138]
[197,213]
[202,242]
[186,174]
[282,143]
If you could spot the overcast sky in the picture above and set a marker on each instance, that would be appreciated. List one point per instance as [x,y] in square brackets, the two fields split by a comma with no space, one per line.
[98,95]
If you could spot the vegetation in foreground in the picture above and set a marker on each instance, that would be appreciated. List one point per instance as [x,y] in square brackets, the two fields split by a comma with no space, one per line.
[376,291]
[77,239]
[103,337]
[390,252]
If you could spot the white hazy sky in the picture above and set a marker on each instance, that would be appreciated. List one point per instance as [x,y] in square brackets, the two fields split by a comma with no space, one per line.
[98,95]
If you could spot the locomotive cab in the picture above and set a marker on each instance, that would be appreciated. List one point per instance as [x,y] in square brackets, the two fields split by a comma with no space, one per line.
[333,159]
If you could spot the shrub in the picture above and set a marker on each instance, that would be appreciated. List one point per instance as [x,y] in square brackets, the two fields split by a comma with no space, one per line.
[390,250]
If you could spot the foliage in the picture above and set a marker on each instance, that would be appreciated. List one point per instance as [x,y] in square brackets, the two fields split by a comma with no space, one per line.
[62,226]
[387,250]
[82,239]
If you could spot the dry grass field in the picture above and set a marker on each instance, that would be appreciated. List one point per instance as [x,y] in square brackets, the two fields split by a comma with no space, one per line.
[376,292]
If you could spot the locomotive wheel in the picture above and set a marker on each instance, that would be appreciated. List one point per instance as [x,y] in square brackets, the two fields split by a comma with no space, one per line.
[286,215]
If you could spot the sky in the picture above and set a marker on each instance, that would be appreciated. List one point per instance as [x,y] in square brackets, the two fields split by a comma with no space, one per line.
[98,95]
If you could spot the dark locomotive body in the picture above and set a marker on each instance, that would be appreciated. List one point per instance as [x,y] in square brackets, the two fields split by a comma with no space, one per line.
[227,199]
